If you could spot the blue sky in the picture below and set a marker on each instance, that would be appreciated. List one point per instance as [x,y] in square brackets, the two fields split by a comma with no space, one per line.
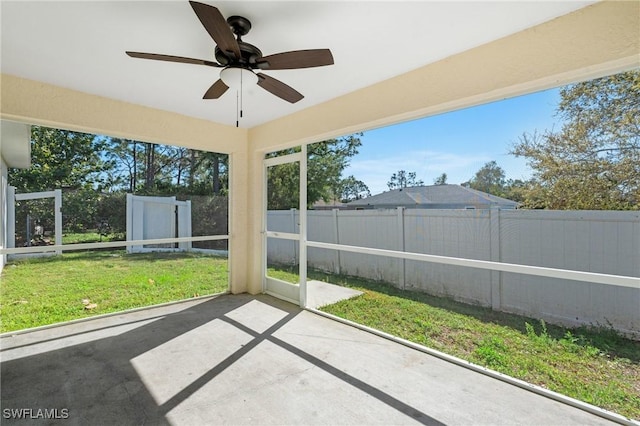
[456,143]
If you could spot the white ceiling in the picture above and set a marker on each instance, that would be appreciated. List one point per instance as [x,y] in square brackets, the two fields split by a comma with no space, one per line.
[81,45]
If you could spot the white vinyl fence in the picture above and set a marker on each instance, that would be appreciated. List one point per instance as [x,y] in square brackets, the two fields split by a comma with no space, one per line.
[593,241]
[156,218]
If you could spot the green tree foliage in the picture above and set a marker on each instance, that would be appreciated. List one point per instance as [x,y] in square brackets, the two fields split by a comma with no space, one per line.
[124,155]
[516,189]
[212,217]
[593,161]
[440,180]
[112,209]
[95,172]
[353,189]
[325,163]
[403,179]
[283,187]
[490,179]
[62,159]
[147,168]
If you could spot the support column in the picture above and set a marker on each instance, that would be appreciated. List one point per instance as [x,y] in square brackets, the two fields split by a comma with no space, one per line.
[303,227]
[248,224]
[240,217]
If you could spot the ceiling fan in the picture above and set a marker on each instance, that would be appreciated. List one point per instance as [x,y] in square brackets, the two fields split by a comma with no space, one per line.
[239,59]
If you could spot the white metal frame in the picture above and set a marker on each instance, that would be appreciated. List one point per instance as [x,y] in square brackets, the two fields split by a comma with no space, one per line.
[12,197]
[619,280]
[609,279]
[110,244]
[274,286]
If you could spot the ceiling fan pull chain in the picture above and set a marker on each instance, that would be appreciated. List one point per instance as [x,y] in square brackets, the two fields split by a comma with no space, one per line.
[236,56]
[241,74]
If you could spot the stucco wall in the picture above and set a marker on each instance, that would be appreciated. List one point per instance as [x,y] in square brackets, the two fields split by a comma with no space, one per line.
[3,210]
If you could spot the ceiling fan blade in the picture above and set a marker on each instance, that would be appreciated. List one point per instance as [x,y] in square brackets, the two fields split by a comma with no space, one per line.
[217,27]
[216,90]
[170,58]
[278,88]
[296,59]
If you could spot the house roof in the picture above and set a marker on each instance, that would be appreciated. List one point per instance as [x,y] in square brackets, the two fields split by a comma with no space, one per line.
[433,195]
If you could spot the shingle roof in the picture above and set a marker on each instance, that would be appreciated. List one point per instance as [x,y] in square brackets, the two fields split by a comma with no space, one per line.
[432,194]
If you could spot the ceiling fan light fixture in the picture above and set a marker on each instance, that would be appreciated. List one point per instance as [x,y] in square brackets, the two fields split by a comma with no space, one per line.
[238,59]
[234,77]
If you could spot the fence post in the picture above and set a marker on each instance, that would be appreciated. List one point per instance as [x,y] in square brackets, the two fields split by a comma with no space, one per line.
[183,209]
[57,205]
[336,239]
[129,222]
[496,276]
[401,280]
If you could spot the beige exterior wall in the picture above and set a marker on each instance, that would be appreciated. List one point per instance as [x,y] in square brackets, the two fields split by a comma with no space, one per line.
[598,40]
[3,210]
[43,104]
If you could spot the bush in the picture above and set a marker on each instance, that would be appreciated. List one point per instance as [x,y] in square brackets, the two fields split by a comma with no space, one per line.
[112,209]
[79,209]
[209,216]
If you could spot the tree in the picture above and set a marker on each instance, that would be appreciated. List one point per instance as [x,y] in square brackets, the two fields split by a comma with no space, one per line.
[62,159]
[440,180]
[353,189]
[402,179]
[214,168]
[515,190]
[124,155]
[593,161]
[325,163]
[163,169]
[490,178]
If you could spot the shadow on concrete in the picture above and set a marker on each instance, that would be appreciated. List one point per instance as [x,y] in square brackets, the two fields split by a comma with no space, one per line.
[126,369]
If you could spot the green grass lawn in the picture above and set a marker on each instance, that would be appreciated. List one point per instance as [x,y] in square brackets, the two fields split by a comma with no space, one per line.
[89,237]
[40,291]
[593,365]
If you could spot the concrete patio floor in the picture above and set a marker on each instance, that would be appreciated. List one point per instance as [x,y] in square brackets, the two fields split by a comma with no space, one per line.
[249,360]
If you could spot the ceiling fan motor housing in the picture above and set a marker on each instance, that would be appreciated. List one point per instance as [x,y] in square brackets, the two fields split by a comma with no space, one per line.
[240,59]
[240,26]
[250,54]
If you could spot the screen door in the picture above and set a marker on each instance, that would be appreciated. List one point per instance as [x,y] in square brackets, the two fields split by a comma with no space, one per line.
[285,229]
